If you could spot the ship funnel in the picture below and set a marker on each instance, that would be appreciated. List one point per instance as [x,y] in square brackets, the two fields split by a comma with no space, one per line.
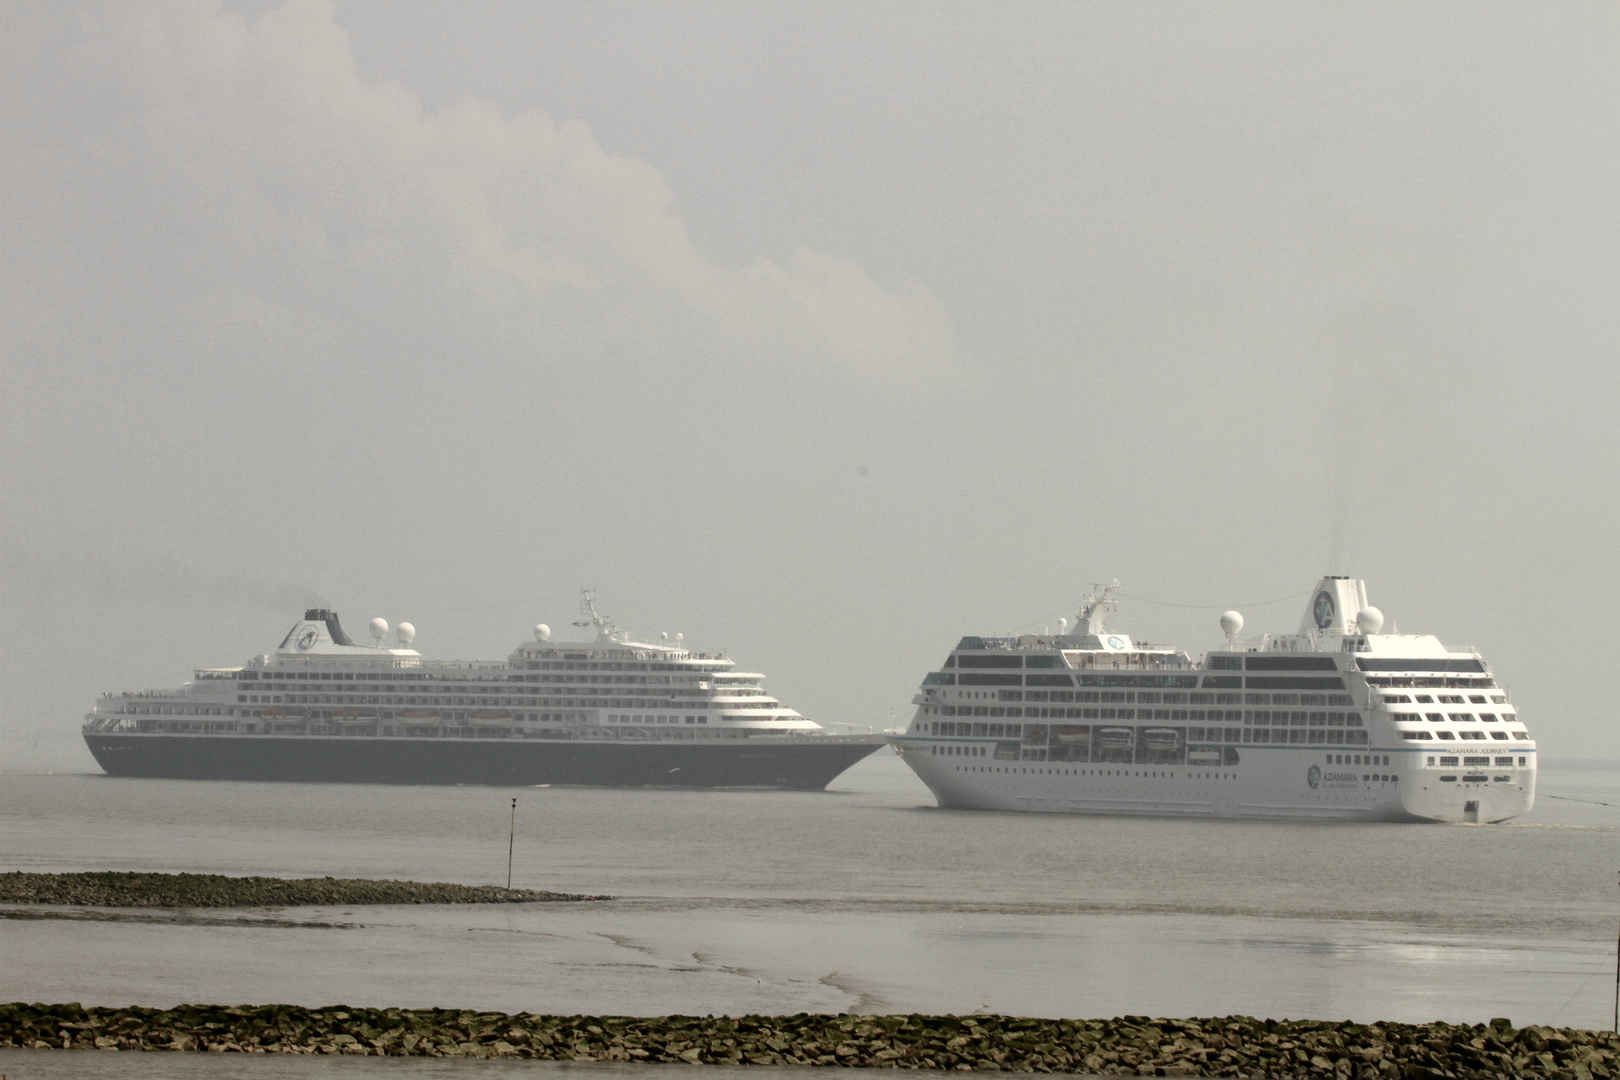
[1333,607]
[334,628]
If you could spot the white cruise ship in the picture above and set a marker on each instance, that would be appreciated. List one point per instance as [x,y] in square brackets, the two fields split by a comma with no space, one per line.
[612,711]
[1335,721]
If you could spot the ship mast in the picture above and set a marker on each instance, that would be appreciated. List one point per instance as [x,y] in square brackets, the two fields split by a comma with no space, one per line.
[587,608]
[1096,604]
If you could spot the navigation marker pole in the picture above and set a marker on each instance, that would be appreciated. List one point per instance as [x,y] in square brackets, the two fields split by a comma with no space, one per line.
[511,841]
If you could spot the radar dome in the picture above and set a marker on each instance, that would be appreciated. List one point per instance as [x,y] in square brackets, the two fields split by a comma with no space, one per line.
[405,633]
[1063,626]
[542,632]
[1369,620]
[1231,623]
[379,628]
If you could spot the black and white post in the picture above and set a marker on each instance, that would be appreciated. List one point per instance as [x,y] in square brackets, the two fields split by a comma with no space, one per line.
[511,841]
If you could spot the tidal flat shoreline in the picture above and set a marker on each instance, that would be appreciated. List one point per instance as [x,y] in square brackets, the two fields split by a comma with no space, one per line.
[1135,1045]
[125,889]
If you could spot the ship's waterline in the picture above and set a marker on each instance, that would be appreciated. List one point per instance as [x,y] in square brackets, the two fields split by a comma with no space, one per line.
[1335,721]
[613,712]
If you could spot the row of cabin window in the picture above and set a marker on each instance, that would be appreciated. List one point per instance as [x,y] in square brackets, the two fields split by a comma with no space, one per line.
[453,699]
[1039,732]
[1041,755]
[1445,699]
[1155,697]
[1307,736]
[1049,713]
[375,676]
[1477,736]
[548,717]
[1301,718]
[1455,683]
[447,686]
[1174,682]
[616,718]
[1456,717]
[1481,762]
[460,677]
[1343,701]
[605,665]
[1005,660]
[1302,736]
[1129,697]
[195,727]
[1358,759]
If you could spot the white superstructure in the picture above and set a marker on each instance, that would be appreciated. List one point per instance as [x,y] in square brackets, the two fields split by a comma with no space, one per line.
[319,681]
[612,711]
[1336,720]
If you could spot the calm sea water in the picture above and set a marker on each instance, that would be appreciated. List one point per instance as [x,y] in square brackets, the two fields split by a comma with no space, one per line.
[863,898]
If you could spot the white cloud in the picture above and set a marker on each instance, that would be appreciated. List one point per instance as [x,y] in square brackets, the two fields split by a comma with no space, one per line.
[906,331]
[268,138]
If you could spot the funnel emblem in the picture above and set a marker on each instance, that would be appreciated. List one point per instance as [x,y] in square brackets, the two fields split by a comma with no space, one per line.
[1323,610]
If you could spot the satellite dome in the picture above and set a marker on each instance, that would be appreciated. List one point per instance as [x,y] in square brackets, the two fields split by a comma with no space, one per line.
[1231,623]
[679,638]
[379,628]
[405,633]
[1369,620]
[1063,626]
[542,632]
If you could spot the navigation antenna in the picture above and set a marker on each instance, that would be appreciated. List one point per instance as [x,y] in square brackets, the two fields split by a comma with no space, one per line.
[1097,603]
[587,608]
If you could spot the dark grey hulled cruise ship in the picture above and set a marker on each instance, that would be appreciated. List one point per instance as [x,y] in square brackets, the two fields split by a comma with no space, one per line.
[611,712]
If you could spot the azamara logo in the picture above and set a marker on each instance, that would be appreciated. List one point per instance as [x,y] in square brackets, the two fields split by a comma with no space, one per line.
[1314,777]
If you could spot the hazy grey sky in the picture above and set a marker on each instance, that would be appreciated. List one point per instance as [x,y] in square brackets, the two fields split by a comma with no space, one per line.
[825,333]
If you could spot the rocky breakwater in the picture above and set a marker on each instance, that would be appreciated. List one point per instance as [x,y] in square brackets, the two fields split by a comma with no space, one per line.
[1135,1045]
[120,889]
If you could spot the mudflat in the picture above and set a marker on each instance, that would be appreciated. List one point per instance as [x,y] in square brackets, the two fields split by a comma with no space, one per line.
[124,889]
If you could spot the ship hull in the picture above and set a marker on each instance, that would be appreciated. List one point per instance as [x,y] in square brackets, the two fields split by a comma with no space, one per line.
[1278,783]
[799,764]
